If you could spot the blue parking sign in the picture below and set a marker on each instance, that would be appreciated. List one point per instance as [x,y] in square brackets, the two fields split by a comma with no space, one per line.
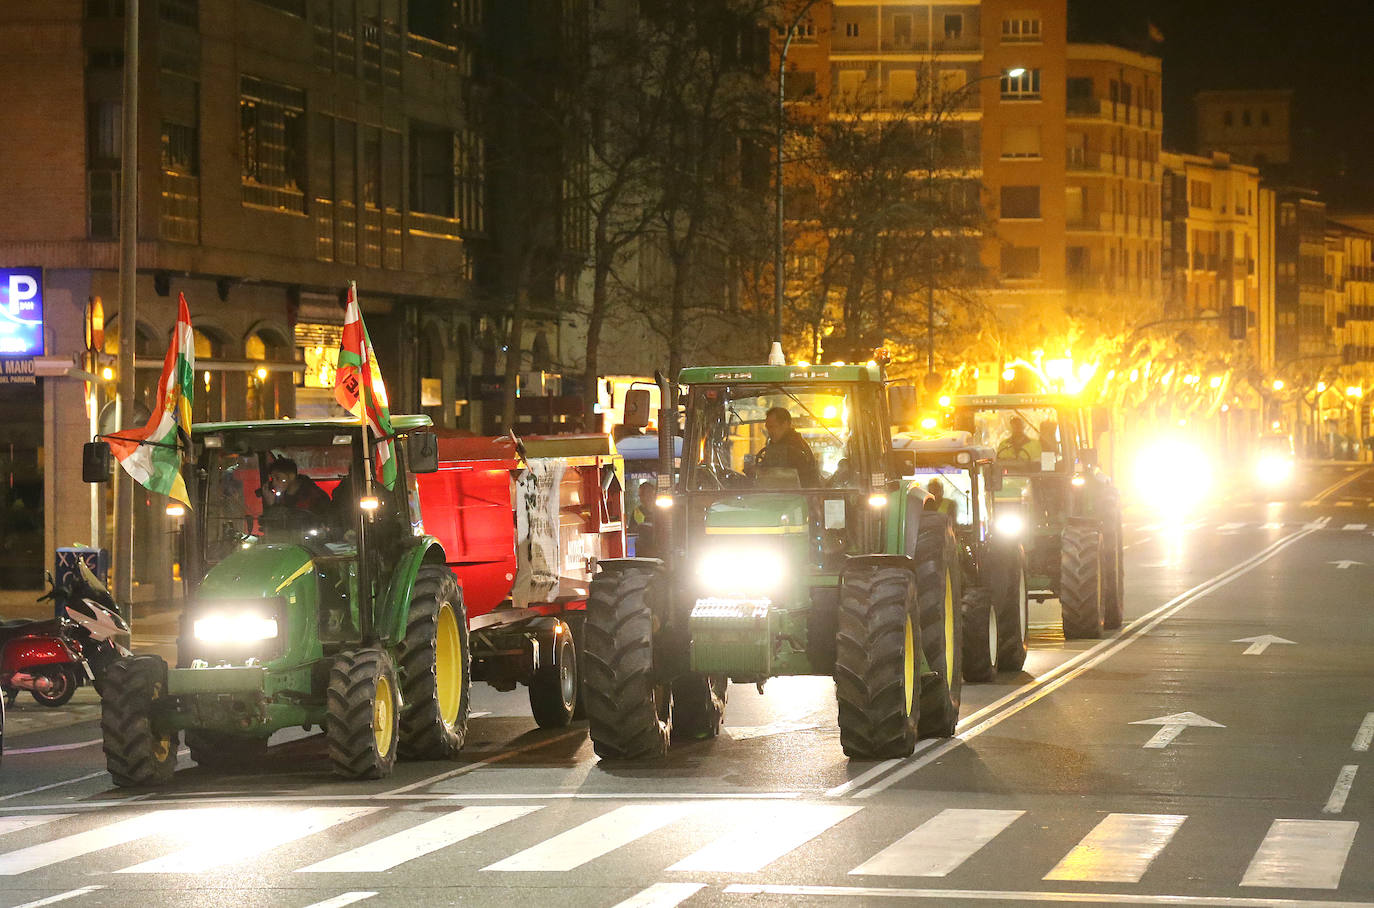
[21,312]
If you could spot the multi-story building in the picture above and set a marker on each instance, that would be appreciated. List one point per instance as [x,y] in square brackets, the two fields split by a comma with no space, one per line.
[1301,333]
[1252,126]
[1350,312]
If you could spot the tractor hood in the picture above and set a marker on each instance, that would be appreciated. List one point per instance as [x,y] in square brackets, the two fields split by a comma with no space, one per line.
[758,514]
[260,571]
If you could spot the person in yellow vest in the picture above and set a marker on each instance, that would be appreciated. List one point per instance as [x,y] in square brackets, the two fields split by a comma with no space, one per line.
[939,503]
[1018,445]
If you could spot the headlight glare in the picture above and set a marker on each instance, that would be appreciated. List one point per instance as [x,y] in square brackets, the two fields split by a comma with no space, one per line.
[1272,470]
[1010,524]
[743,570]
[245,627]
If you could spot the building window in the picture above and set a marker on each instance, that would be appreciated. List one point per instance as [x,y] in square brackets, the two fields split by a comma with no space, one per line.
[901,30]
[954,26]
[432,19]
[800,83]
[850,83]
[901,86]
[1245,117]
[1020,202]
[1021,142]
[431,170]
[1199,194]
[1020,262]
[851,29]
[1022,28]
[179,12]
[472,183]
[1024,87]
[1227,118]
[272,144]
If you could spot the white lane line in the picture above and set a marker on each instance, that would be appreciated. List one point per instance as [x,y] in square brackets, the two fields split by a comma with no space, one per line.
[764,837]
[87,777]
[992,895]
[595,838]
[1302,854]
[1354,527]
[1365,735]
[60,897]
[51,747]
[1345,504]
[1119,849]
[69,847]
[940,844]
[989,716]
[1230,526]
[1271,526]
[662,895]
[473,767]
[1338,484]
[346,898]
[386,853]
[1341,790]
[877,770]
[14,824]
[1319,524]
[247,835]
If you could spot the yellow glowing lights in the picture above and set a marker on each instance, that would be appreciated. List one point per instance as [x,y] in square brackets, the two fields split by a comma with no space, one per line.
[262,373]
[1135,375]
[1354,391]
[1321,386]
[1008,374]
[928,422]
[1059,369]
[803,364]
[830,412]
[1278,385]
[176,509]
[369,503]
[1190,379]
[944,400]
[1214,382]
[107,373]
[1274,425]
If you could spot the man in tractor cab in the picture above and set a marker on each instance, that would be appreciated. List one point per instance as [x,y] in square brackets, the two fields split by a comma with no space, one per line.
[1018,445]
[288,488]
[937,501]
[786,449]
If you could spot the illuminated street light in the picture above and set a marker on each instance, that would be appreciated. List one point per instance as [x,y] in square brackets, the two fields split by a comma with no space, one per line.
[1321,387]
[107,374]
[1278,384]
[1214,381]
[262,374]
[1008,374]
[944,400]
[1354,391]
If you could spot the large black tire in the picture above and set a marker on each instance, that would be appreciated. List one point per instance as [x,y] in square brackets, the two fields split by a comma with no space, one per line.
[64,684]
[699,705]
[435,677]
[629,714]
[217,750]
[1080,582]
[981,636]
[878,663]
[1012,605]
[137,753]
[362,724]
[938,597]
[553,688]
[1113,573]
[577,623]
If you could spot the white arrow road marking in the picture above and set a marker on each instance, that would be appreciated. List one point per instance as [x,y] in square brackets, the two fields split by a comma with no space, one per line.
[1302,854]
[1365,735]
[1341,790]
[1173,726]
[1260,644]
[1342,565]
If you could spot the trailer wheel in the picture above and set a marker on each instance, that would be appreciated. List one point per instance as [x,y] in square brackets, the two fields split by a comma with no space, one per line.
[699,705]
[1080,582]
[217,750]
[136,754]
[553,688]
[1010,602]
[1113,573]
[878,663]
[362,722]
[938,595]
[981,635]
[577,624]
[434,668]
[628,714]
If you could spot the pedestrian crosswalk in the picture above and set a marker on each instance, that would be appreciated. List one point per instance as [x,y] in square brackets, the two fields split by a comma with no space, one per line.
[1228,527]
[682,839]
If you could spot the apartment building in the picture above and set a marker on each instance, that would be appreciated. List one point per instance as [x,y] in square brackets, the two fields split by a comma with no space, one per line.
[1253,126]
[1301,333]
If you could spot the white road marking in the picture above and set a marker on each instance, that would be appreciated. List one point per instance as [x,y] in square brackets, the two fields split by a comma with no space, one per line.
[240,834]
[1259,644]
[69,847]
[746,732]
[386,853]
[1271,525]
[1365,735]
[87,777]
[940,844]
[1344,564]
[14,824]
[595,838]
[1119,849]
[60,897]
[662,895]
[51,747]
[473,767]
[1011,895]
[1318,524]
[1230,526]
[1354,527]
[1345,503]
[346,898]
[1173,726]
[1338,484]
[764,837]
[1302,854]
[1341,790]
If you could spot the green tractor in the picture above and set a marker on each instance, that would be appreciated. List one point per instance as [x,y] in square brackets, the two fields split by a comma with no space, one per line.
[1056,495]
[308,603]
[824,564]
[992,560]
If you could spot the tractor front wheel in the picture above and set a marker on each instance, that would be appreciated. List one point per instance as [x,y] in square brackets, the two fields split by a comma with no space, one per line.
[1113,573]
[699,705]
[1010,601]
[136,754]
[878,663]
[362,724]
[434,668]
[628,713]
[1080,582]
[553,688]
[980,635]
[938,597]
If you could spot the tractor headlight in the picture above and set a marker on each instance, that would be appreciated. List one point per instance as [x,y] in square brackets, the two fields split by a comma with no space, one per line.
[1273,469]
[1009,524]
[243,627]
[742,570]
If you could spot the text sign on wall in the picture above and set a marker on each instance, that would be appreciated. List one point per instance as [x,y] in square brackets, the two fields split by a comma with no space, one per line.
[21,312]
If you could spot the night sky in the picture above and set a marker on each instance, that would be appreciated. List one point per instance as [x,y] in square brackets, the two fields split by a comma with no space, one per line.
[1319,48]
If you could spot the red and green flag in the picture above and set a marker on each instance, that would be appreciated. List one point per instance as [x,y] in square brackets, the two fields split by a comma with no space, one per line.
[152,455]
[359,389]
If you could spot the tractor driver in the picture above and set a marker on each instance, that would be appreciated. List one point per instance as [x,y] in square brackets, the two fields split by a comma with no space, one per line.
[786,449]
[288,488]
[1018,445]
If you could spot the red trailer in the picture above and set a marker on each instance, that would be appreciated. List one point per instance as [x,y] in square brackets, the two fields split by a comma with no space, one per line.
[523,525]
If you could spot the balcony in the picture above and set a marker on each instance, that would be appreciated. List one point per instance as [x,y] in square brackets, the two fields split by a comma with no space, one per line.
[1086,107]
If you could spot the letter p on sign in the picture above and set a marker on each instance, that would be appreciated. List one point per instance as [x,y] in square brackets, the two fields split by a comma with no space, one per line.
[23,289]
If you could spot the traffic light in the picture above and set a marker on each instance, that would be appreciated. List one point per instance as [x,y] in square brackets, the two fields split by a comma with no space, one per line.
[1236,319]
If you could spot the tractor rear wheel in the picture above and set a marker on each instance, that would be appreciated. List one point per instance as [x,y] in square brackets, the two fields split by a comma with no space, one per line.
[878,663]
[699,705]
[1010,601]
[362,723]
[628,713]
[980,635]
[136,754]
[217,750]
[1113,573]
[553,688]
[938,596]
[434,668]
[1080,582]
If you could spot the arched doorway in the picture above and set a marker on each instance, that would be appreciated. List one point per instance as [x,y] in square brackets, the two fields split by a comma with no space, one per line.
[270,390]
[211,402]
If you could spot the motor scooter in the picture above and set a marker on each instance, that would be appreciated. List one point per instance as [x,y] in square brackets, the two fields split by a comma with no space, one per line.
[86,602]
[42,658]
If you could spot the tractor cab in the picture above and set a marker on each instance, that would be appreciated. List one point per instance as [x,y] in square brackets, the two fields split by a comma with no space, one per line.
[966,474]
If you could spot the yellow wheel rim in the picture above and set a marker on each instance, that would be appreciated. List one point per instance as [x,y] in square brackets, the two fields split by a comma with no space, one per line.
[949,629]
[909,667]
[162,749]
[448,665]
[383,717]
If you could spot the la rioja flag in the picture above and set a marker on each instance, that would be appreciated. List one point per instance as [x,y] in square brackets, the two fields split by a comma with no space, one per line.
[359,389]
[152,455]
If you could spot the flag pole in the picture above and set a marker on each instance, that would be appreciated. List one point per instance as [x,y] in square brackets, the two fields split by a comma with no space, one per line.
[128,319]
[365,608]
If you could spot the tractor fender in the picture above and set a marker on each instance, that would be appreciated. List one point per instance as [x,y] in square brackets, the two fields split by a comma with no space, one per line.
[906,525]
[905,562]
[393,611]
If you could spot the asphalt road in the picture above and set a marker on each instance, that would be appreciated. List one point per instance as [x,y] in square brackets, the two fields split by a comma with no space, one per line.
[1188,759]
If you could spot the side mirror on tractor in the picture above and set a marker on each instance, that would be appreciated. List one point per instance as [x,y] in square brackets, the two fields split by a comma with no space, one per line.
[637,405]
[422,450]
[96,462]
